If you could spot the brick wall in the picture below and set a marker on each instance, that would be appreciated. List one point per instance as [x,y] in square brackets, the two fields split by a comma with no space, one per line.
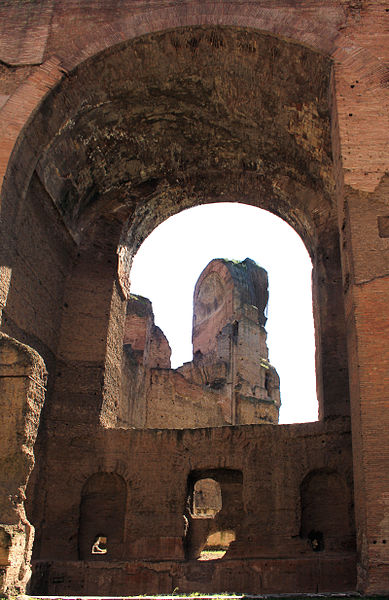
[325,176]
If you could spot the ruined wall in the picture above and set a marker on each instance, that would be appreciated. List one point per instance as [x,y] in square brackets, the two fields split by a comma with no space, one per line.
[229,381]
[145,347]
[31,301]
[282,106]
[144,340]
[229,305]
[175,402]
[270,467]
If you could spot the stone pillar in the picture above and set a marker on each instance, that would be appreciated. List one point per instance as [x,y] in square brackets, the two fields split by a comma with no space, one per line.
[90,343]
[22,393]
[331,347]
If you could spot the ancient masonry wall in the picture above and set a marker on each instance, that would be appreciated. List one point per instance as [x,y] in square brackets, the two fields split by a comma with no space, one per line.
[230,380]
[152,553]
[113,117]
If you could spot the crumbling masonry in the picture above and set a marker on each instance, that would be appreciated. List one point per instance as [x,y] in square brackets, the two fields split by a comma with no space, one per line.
[115,116]
[229,382]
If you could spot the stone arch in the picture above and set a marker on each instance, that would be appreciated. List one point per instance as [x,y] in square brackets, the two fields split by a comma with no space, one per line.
[123,142]
[217,513]
[258,151]
[318,28]
[362,151]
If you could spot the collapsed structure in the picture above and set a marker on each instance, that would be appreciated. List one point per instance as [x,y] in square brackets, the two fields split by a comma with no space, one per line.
[229,382]
[115,116]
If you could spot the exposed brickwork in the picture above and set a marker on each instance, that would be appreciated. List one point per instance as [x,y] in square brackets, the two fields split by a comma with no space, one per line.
[103,135]
[229,381]
[157,488]
[23,32]
[302,575]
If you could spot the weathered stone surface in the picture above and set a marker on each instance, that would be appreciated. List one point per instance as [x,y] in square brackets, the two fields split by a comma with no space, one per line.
[229,381]
[267,467]
[24,28]
[115,116]
[22,392]
[230,299]
[257,576]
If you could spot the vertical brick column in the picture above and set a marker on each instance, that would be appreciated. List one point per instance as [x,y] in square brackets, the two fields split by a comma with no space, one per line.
[331,347]
[87,380]
[367,312]
[362,158]
[86,390]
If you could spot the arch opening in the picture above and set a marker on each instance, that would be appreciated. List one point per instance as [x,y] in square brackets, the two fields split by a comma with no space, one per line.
[214,511]
[327,521]
[154,104]
[169,262]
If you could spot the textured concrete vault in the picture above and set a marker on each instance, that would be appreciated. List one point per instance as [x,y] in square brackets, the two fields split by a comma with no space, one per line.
[130,128]
[114,116]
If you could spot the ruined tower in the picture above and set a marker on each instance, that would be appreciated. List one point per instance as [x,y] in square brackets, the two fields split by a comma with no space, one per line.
[230,301]
[230,380]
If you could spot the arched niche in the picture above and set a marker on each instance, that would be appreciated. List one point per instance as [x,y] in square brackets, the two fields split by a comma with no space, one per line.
[209,298]
[102,517]
[327,518]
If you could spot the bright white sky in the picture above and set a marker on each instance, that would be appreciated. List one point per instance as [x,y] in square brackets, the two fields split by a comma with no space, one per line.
[171,259]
